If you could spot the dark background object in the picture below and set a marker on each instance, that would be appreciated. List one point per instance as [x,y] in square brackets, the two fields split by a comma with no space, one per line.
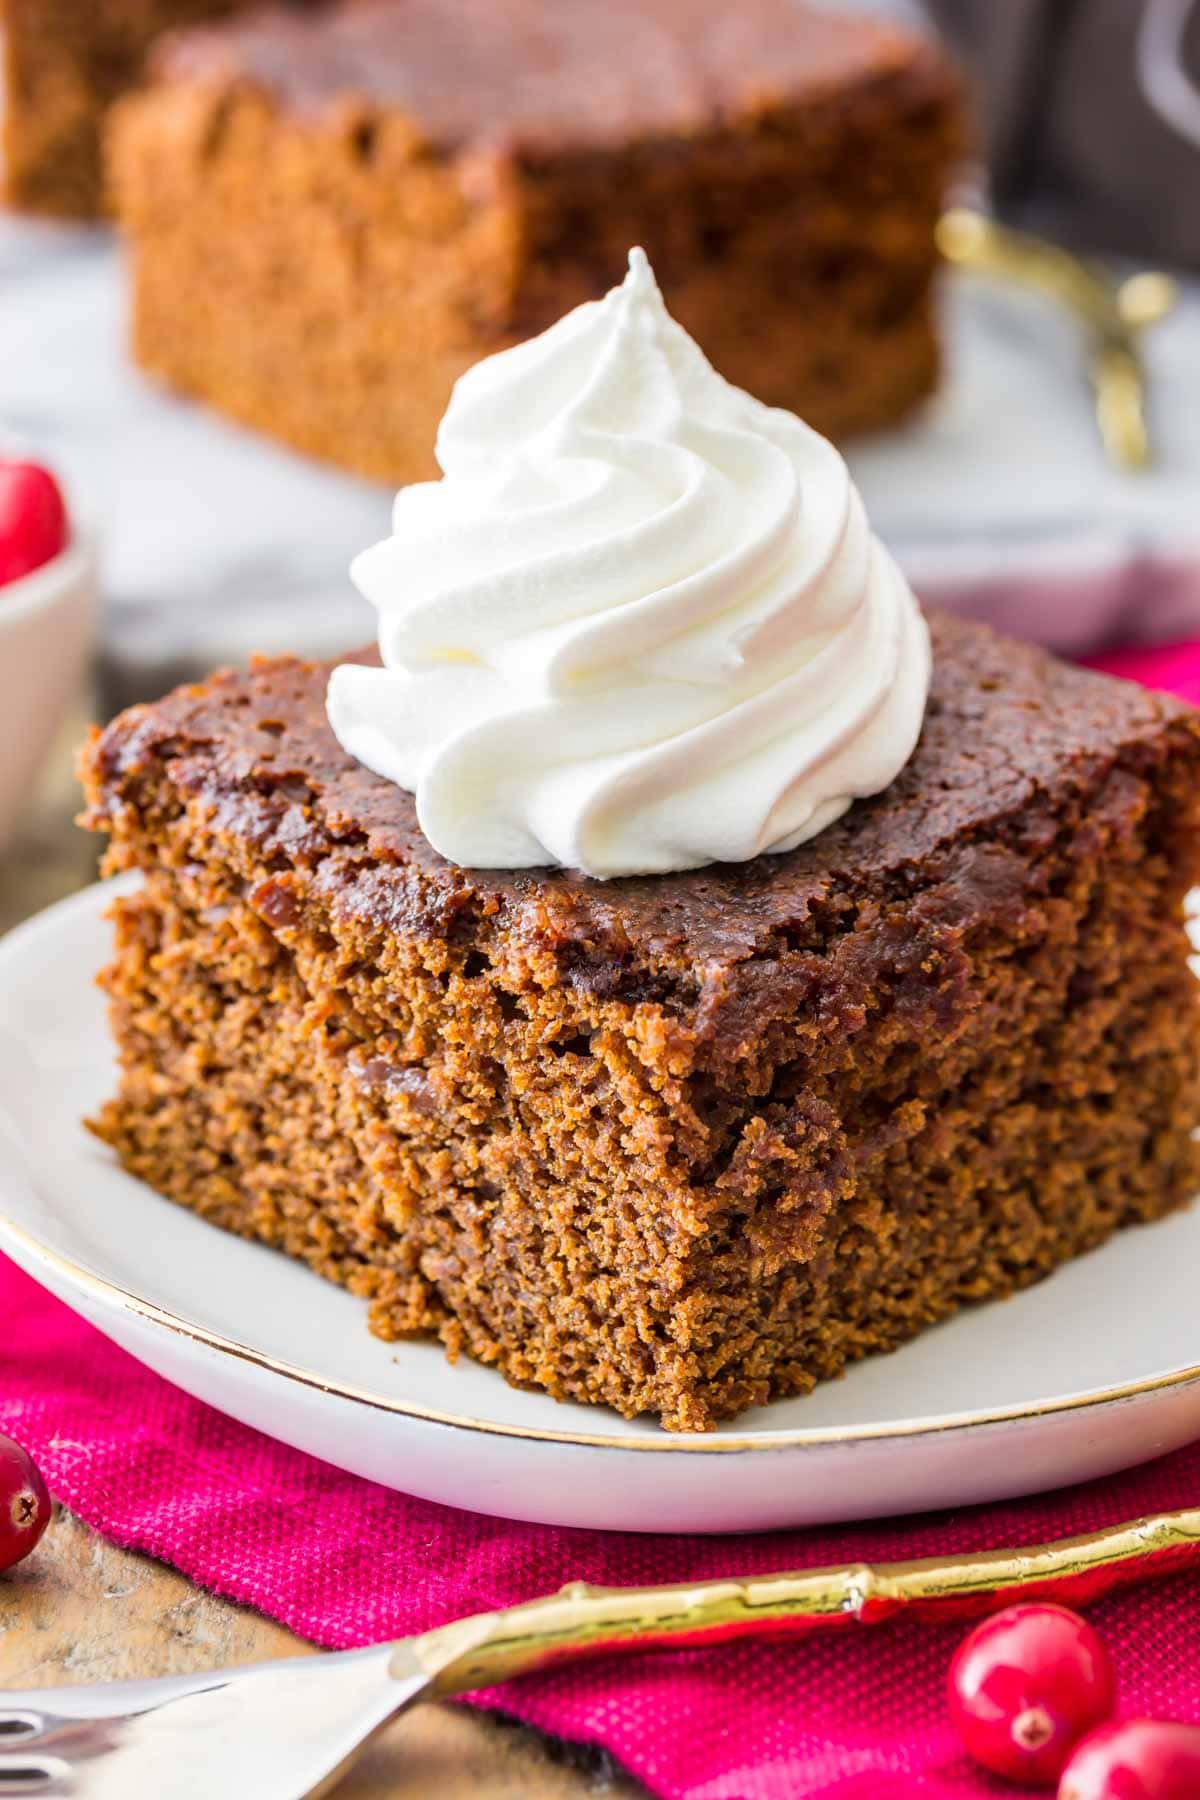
[1076,144]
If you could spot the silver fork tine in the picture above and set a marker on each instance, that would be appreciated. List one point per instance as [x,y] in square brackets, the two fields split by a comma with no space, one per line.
[105,1699]
[22,1769]
[27,1772]
[20,1725]
[277,1731]
[47,1777]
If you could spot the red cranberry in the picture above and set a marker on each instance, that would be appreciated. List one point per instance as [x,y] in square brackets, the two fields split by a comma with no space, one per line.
[24,1503]
[1140,1759]
[33,519]
[1025,1686]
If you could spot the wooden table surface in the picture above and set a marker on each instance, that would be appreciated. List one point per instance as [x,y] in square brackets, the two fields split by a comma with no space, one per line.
[80,1609]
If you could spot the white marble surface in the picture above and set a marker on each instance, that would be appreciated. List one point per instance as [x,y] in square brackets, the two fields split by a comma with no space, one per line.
[217,543]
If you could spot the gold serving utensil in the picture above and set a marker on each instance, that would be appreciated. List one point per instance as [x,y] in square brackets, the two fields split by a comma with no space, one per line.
[286,1729]
[1113,313]
[583,1620]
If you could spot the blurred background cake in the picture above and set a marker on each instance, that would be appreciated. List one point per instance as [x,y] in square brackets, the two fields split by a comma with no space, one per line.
[65,62]
[333,211]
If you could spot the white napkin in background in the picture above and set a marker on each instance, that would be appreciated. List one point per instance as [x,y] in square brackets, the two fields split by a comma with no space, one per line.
[217,543]
[1001,502]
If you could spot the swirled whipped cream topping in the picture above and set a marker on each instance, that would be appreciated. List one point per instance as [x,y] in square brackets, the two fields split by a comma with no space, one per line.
[641,625]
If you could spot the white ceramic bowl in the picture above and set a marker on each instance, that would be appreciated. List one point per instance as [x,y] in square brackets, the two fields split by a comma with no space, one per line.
[47,621]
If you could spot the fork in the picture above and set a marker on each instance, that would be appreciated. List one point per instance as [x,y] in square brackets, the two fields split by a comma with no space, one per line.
[290,1729]
[1114,315]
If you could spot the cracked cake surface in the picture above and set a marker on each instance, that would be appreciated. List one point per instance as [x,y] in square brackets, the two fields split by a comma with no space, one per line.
[676,1144]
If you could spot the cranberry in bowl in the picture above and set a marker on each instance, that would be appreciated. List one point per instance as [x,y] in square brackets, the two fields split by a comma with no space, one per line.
[47,610]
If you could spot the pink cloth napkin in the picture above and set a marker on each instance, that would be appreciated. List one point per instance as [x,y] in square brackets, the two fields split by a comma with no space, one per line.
[1175,668]
[857,1716]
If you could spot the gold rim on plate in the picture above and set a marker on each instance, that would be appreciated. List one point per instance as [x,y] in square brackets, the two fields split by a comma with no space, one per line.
[946,1589]
[115,1297]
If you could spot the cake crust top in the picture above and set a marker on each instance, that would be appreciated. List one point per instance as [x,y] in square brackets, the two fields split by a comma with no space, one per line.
[518,72]
[1010,732]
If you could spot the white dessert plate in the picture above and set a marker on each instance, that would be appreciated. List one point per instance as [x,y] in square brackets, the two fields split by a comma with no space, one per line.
[1092,1371]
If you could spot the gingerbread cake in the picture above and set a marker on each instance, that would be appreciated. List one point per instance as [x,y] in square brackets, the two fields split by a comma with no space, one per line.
[332,211]
[64,63]
[680,1143]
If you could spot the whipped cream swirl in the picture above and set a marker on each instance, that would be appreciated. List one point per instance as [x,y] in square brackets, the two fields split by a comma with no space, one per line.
[641,625]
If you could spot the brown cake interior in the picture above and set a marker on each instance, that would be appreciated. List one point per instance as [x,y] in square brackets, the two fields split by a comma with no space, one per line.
[682,1144]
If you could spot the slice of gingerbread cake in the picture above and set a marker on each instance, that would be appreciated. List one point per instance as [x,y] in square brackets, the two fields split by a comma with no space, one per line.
[684,1142]
[668,969]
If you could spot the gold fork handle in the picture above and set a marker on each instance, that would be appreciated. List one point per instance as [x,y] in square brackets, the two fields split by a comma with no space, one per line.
[1114,314]
[582,1620]
[1119,387]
